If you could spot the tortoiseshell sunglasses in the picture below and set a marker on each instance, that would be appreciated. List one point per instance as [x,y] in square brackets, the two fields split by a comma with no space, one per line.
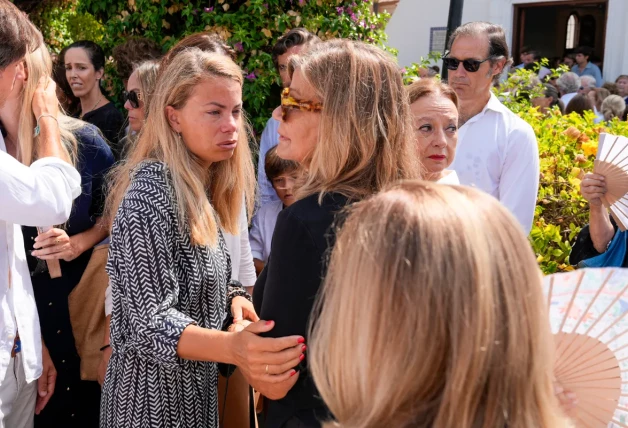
[288,103]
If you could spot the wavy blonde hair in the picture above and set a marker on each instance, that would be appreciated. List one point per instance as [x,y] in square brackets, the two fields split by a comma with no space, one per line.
[226,183]
[39,64]
[365,139]
[432,315]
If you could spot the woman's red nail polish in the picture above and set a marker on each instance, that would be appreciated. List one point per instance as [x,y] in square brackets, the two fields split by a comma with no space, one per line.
[269,322]
[303,348]
[302,357]
[293,372]
[301,340]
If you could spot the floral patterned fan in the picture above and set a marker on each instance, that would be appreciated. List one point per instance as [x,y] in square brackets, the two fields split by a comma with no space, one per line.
[588,312]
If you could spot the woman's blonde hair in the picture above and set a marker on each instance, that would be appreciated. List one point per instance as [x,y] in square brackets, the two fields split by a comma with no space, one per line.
[225,183]
[432,315]
[365,139]
[39,64]
[613,106]
[147,78]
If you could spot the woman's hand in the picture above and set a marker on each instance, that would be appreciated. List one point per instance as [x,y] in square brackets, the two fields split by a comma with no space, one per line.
[56,244]
[268,364]
[566,399]
[242,309]
[592,188]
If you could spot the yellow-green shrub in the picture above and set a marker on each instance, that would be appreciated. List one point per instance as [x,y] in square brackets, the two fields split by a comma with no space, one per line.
[567,148]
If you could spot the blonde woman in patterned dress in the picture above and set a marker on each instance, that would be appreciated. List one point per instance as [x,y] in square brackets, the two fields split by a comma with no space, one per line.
[170,273]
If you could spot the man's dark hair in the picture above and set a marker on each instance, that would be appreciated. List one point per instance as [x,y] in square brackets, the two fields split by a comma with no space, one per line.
[133,52]
[17,35]
[294,37]
[274,166]
[497,45]
[584,50]
[536,55]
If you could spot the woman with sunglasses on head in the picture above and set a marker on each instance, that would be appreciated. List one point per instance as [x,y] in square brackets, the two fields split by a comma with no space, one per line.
[77,402]
[84,69]
[346,119]
[139,90]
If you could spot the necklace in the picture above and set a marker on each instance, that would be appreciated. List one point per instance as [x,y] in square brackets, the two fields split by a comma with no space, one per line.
[91,109]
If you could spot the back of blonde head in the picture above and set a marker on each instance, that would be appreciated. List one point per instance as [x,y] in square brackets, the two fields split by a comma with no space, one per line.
[366,140]
[226,183]
[432,315]
[613,106]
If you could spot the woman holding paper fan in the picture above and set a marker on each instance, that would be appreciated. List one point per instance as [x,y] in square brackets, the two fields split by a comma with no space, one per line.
[473,347]
[76,403]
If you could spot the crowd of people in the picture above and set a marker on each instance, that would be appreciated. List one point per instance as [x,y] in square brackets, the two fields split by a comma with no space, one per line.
[385,279]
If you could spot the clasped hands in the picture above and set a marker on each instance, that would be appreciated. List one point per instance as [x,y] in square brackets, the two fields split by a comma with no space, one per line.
[268,364]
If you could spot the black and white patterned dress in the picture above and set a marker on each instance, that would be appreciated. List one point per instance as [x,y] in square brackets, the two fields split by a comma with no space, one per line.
[160,285]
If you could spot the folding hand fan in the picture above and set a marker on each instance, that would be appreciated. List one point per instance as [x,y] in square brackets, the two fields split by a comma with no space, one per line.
[588,311]
[612,163]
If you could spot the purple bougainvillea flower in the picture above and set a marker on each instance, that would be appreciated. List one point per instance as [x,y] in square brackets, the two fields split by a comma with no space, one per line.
[209,9]
[340,10]
[251,76]
[238,46]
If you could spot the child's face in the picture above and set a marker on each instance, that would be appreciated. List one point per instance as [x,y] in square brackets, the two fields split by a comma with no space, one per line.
[284,186]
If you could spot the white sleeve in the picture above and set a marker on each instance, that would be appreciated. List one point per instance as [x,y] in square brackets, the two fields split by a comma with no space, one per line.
[269,140]
[247,274]
[108,301]
[39,195]
[255,237]
[519,182]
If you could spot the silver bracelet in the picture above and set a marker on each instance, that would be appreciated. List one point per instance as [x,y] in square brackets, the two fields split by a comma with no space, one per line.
[38,129]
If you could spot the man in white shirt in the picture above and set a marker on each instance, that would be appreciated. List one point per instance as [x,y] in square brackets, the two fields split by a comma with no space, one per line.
[39,195]
[288,45]
[497,151]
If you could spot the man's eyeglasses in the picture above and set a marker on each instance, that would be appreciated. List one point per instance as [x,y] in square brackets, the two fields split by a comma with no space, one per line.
[133,97]
[471,65]
[289,103]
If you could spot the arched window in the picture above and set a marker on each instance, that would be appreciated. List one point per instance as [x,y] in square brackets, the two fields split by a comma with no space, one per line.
[572,25]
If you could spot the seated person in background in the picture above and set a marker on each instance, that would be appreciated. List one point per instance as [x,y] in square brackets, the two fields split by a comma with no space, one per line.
[282,174]
[549,99]
[568,85]
[434,107]
[432,314]
[613,106]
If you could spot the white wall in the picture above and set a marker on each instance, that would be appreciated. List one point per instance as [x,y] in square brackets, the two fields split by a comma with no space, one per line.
[409,28]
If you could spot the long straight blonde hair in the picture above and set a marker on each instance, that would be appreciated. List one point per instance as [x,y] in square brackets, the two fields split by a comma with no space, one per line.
[39,64]
[432,315]
[226,183]
[365,139]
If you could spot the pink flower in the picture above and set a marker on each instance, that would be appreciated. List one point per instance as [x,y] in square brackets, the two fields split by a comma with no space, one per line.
[209,9]
[238,46]
[251,76]
[340,10]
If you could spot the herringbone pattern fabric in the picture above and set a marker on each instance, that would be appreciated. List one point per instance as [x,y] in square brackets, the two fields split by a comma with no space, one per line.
[160,284]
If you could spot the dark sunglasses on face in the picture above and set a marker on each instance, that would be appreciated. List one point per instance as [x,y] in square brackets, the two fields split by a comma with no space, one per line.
[288,103]
[471,65]
[133,97]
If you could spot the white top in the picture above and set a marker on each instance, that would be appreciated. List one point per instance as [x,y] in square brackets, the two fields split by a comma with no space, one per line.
[497,152]
[450,178]
[270,138]
[39,195]
[263,228]
[242,268]
[568,97]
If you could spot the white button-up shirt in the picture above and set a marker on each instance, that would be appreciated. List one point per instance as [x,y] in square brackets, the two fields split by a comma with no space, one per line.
[39,195]
[497,152]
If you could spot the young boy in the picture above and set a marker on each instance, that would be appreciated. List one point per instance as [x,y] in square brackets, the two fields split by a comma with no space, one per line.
[283,175]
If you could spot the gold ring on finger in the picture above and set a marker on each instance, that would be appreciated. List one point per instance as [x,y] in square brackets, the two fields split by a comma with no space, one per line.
[267,369]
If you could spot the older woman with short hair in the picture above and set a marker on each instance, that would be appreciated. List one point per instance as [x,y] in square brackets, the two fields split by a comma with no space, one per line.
[434,107]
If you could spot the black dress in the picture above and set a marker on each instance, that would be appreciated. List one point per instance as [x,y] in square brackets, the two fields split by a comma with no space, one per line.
[75,403]
[285,292]
[111,123]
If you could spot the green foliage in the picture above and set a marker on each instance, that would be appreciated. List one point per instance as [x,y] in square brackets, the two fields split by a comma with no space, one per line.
[411,73]
[61,24]
[251,26]
[567,148]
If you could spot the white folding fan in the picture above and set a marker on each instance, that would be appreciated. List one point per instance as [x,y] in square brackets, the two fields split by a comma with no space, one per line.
[588,312]
[612,163]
